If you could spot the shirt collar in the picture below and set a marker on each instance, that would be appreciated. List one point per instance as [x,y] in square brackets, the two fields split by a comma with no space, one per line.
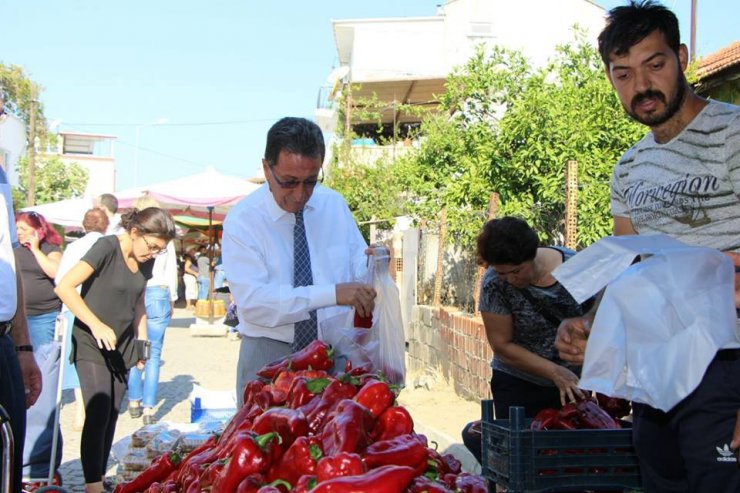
[275,212]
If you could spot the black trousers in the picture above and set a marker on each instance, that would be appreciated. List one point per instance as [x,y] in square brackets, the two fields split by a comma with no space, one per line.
[102,392]
[508,390]
[13,399]
[687,448]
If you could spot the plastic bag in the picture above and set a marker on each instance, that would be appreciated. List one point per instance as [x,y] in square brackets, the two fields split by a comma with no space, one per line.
[387,321]
[360,346]
[660,321]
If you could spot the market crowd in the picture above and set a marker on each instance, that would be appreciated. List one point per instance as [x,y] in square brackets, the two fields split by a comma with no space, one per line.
[293,256]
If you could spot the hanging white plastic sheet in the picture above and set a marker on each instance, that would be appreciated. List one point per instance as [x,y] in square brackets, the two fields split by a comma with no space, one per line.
[660,322]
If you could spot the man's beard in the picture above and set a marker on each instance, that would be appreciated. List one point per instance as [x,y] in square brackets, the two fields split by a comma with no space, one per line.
[671,107]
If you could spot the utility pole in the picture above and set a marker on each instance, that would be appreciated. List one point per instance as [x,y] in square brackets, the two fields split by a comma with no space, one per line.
[31,177]
[692,42]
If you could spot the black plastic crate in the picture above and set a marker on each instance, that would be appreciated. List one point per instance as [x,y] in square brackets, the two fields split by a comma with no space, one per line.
[523,460]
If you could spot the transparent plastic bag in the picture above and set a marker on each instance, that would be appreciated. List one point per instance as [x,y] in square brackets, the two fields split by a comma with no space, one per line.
[387,322]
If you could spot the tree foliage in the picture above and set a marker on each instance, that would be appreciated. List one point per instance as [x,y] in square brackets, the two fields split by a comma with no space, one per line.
[16,88]
[55,181]
[509,128]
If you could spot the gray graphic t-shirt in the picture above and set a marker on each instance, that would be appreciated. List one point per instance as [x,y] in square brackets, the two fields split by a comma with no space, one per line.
[533,317]
[688,188]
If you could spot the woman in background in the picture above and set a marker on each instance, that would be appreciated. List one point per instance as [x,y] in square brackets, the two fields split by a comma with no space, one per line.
[522,305]
[110,315]
[190,278]
[38,258]
[161,293]
[95,224]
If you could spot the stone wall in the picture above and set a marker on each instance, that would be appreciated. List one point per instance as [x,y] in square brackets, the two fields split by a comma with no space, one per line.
[454,344]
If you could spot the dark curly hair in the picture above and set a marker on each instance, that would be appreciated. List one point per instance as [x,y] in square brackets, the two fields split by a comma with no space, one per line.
[508,240]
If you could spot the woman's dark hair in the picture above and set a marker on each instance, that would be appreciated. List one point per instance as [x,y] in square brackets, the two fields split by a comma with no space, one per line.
[629,24]
[95,220]
[296,136]
[46,231]
[508,240]
[150,221]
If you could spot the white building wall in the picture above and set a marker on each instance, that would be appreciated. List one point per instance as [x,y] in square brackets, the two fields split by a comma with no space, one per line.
[12,144]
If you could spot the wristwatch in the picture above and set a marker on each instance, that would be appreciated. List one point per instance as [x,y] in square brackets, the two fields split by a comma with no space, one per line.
[24,348]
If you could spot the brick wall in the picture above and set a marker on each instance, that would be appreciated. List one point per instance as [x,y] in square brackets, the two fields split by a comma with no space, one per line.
[453,343]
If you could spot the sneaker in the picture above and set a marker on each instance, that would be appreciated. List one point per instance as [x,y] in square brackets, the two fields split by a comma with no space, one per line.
[135,411]
[149,419]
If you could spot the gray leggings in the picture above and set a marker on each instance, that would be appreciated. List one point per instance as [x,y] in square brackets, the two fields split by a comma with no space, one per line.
[102,392]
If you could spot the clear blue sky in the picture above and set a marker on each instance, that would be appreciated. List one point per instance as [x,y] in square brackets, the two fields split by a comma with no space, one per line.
[232,67]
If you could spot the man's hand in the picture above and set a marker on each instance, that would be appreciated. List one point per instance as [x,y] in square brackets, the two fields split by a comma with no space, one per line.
[571,339]
[361,296]
[31,376]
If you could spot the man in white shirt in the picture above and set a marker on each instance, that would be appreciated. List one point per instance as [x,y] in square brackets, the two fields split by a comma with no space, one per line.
[258,250]
[20,377]
[108,203]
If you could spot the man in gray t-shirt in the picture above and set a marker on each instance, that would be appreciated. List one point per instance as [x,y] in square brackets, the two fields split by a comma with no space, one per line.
[682,179]
[204,273]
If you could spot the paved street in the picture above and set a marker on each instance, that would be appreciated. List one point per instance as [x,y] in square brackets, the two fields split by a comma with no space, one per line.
[210,362]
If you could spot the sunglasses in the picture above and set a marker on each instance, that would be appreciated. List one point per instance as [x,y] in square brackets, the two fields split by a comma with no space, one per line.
[291,184]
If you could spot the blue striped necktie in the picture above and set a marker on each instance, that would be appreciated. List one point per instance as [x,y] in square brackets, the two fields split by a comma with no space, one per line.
[305,330]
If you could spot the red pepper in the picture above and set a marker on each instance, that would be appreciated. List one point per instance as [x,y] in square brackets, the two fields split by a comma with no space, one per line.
[303,389]
[318,355]
[154,488]
[341,464]
[376,396]
[615,407]
[404,450]
[545,419]
[422,484]
[251,484]
[593,417]
[288,423]
[160,468]
[170,486]
[305,484]
[236,421]
[210,474]
[251,454]
[317,408]
[385,479]
[436,465]
[453,464]
[250,390]
[346,429]
[204,453]
[393,422]
[278,486]
[471,483]
[300,459]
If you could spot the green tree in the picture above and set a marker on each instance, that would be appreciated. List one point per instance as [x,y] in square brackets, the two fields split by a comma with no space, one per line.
[55,181]
[17,88]
[512,131]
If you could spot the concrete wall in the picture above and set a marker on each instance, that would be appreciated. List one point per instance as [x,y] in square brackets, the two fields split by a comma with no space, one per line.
[454,344]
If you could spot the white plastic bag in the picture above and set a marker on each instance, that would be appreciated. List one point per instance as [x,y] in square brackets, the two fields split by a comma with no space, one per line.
[387,321]
[360,346]
[660,321]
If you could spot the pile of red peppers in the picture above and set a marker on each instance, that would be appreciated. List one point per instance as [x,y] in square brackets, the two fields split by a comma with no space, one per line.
[303,430]
[590,414]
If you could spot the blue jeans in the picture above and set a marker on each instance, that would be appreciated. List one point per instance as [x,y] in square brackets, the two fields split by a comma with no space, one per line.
[11,398]
[41,327]
[158,314]
[204,285]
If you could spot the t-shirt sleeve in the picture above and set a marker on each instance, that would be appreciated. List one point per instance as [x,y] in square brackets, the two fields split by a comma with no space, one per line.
[618,200]
[732,151]
[99,253]
[492,299]
[48,248]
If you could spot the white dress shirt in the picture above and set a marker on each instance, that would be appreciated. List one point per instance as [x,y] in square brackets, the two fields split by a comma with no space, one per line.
[257,253]
[8,240]
[164,271]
